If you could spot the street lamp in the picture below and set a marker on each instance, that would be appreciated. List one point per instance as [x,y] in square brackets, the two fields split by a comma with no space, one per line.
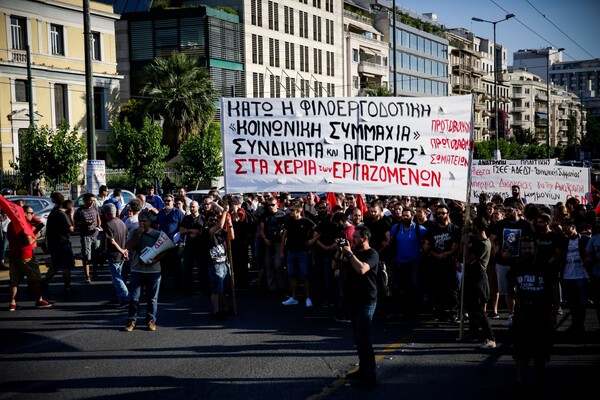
[497,155]
[548,54]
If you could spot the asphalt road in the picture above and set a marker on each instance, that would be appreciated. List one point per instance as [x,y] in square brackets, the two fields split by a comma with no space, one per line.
[78,350]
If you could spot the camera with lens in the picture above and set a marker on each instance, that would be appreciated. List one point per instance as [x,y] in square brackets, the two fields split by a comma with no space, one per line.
[342,242]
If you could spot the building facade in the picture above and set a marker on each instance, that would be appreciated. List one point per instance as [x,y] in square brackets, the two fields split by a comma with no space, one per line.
[583,79]
[366,56]
[52,33]
[466,77]
[533,110]
[212,36]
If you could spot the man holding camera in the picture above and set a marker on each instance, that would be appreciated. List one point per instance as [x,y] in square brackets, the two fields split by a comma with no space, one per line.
[360,262]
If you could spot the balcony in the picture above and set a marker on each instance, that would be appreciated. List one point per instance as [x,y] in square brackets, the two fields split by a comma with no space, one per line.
[479,106]
[502,77]
[563,140]
[462,88]
[365,67]
[563,116]
[563,128]
[19,56]
[519,96]
[541,97]
[462,67]
[358,17]
[519,109]
[562,105]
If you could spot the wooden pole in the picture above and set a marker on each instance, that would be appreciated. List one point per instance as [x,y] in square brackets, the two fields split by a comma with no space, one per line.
[230,259]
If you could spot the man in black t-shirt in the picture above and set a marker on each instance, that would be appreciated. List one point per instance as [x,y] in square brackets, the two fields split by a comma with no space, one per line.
[271,227]
[361,263]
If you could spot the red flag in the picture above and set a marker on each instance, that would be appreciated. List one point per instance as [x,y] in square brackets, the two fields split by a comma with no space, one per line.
[331,201]
[360,202]
[16,216]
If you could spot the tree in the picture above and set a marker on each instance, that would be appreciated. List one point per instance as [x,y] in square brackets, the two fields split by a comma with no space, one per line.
[56,156]
[591,140]
[179,90]
[377,91]
[201,156]
[139,152]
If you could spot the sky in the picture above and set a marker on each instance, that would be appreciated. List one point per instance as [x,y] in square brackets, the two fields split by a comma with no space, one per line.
[579,21]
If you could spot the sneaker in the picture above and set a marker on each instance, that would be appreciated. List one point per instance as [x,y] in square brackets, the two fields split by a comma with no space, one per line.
[488,344]
[130,326]
[43,304]
[13,307]
[493,315]
[508,322]
[151,326]
[290,302]
[309,302]
[88,280]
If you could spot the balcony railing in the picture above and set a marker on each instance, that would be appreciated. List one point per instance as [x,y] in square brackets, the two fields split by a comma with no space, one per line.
[19,56]
[372,68]
[357,17]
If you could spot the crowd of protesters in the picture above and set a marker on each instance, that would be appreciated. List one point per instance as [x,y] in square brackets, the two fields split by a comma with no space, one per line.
[327,251]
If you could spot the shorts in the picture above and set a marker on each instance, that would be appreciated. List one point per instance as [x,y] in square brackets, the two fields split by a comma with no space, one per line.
[501,271]
[218,273]
[20,268]
[90,246]
[62,256]
[297,262]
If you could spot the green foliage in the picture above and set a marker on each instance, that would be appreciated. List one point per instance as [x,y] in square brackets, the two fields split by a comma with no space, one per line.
[56,156]
[201,156]
[524,136]
[226,9]
[139,152]
[134,111]
[378,91]
[513,150]
[179,90]
[591,140]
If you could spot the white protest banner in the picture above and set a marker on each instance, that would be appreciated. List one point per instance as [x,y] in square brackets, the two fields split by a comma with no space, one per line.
[540,184]
[371,145]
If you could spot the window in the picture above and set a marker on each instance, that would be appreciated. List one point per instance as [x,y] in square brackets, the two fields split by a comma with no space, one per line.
[60,103]
[273,52]
[304,61]
[258,85]
[18,30]
[316,28]
[290,62]
[57,39]
[273,16]
[21,92]
[99,108]
[95,45]
[256,12]
[288,19]
[303,25]
[257,49]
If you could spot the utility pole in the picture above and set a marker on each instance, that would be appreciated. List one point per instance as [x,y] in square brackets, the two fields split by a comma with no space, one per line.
[30,88]
[89,87]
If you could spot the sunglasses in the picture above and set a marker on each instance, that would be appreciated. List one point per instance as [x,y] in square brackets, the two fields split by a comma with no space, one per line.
[441,213]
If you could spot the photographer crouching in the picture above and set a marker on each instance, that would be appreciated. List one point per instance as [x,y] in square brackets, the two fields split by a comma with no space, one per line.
[360,262]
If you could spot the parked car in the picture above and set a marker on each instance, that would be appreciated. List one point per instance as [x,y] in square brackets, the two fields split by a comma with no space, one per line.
[200,194]
[126,194]
[41,208]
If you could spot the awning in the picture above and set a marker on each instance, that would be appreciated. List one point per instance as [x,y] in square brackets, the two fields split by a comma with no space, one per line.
[541,115]
[369,50]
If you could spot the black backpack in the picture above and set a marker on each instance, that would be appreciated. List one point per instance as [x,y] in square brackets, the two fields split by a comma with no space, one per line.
[384,280]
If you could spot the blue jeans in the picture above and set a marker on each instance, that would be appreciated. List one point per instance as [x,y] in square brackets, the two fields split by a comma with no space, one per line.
[362,316]
[151,281]
[119,289]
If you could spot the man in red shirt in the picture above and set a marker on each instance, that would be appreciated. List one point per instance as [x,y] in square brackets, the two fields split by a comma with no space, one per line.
[23,263]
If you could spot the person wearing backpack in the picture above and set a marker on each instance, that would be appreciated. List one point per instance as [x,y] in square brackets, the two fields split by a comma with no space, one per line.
[407,237]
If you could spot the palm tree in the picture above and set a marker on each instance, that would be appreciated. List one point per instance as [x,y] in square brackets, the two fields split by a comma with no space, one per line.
[179,89]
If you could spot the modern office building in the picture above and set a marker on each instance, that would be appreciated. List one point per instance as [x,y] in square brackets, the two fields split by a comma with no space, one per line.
[52,33]
[535,60]
[419,61]
[212,36]
[581,78]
